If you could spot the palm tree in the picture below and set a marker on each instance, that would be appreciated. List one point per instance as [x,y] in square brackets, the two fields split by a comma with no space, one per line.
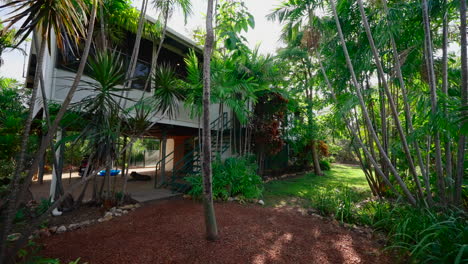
[299,18]
[407,107]
[464,99]
[136,47]
[365,112]
[391,102]
[210,218]
[46,17]
[8,41]
[168,94]
[102,108]
[166,8]
[433,91]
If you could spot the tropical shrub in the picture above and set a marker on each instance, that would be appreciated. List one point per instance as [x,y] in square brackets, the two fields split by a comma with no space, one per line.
[325,165]
[426,235]
[420,234]
[235,176]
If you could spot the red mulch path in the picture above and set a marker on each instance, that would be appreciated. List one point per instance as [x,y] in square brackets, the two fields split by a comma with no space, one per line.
[173,232]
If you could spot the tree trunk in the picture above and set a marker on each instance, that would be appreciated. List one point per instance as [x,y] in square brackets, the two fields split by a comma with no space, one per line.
[209,212]
[15,182]
[46,140]
[315,159]
[136,50]
[222,129]
[448,143]
[163,161]
[432,85]
[103,27]
[384,130]
[391,102]
[124,157]
[408,111]
[464,96]
[154,59]
[365,113]
[124,187]
[108,170]
[355,136]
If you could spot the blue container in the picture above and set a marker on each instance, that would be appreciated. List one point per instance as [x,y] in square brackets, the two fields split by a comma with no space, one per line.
[112,172]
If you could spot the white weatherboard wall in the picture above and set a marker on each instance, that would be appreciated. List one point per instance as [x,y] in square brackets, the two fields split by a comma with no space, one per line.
[59,81]
[63,80]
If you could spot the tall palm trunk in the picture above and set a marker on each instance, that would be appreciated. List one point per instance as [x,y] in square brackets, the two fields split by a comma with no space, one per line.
[124,187]
[222,128]
[18,194]
[136,49]
[154,59]
[163,161]
[308,75]
[15,182]
[464,96]
[448,143]
[47,116]
[103,27]
[365,113]
[432,86]
[391,102]
[383,125]
[407,110]
[355,136]
[210,218]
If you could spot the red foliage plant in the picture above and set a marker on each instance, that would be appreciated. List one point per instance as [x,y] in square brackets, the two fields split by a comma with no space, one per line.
[269,114]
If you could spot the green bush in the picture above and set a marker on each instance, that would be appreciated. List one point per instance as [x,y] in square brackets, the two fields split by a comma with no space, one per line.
[338,202]
[425,236]
[325,165]
[233,177]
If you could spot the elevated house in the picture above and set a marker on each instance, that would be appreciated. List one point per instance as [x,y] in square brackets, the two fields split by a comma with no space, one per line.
[178,135]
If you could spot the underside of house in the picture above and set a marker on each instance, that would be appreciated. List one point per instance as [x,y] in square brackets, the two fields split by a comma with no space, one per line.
[178,136]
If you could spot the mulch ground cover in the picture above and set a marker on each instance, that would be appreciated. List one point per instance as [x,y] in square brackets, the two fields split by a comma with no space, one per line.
[173,232]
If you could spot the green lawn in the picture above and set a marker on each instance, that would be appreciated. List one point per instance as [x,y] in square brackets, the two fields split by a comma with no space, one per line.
[310,186]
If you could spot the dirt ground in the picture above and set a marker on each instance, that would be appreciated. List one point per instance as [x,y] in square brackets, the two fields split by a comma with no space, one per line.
[173,232]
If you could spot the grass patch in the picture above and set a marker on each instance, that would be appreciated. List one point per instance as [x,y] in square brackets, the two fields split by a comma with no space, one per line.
[309,186]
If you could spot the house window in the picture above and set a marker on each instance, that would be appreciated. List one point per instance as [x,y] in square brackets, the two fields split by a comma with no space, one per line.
[140,75]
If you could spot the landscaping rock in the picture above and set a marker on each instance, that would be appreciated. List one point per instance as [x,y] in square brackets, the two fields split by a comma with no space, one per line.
[107,214]
[230,199]
[124,212]
[85,223]
[53,229]
[73,226]
[127,207]
[112,210]
[117,214]
[61,229]
[107,217]
[316,215]
[118,210]
[261,202]
[13,237]
[137,205]
[186,196]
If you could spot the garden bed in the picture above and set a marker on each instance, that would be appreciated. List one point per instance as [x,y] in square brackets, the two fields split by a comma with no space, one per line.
[173,232]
